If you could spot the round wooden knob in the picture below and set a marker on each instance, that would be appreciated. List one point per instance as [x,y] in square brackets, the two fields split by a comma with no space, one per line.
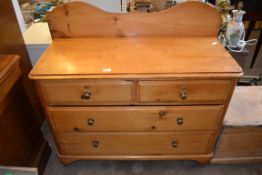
[90,122]
[183,94]
[95,144]
[86,96]
[174,144]
[180,121]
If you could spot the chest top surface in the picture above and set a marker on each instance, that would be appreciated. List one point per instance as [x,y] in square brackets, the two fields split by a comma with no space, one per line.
[134,56]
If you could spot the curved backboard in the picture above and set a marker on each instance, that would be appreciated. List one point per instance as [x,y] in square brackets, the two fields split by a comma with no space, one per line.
[78,19]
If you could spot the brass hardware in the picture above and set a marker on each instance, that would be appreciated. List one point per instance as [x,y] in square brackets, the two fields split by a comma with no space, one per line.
[174,144]
[86,96]
[183,94]
[90,121]
[95,144]
[180,121]
[162,113]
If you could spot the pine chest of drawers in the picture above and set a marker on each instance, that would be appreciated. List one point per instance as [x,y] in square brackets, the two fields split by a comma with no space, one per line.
[140,98]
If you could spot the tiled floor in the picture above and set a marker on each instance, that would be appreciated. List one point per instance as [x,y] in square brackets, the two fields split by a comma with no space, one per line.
[54,167]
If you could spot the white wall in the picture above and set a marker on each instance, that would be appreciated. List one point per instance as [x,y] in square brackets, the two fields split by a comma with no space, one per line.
[19,15]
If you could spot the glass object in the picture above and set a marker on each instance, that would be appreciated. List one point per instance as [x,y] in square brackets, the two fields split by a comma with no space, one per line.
[235,29]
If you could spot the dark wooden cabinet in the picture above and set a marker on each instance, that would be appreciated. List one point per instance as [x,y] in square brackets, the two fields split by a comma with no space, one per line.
[21,142]
[21,115]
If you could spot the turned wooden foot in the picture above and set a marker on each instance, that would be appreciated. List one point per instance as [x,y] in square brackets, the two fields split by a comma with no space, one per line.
[65,161]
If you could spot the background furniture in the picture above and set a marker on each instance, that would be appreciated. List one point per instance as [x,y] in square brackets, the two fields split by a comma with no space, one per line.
[253,10]
[115,95]
[21,143]
[254,13]
[12,42]
[240,57]
[241,140]
[259,39]
[114,6]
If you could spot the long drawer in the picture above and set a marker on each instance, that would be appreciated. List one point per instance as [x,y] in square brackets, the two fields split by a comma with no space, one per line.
[157,118]
[134,143]
[81,92]
[184,92]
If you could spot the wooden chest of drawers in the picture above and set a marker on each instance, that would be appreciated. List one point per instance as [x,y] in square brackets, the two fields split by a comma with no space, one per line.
[174,112]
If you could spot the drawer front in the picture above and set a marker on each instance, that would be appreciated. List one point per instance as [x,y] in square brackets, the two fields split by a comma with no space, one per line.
[185,92]
[134,143]
[171,118]
[79,92]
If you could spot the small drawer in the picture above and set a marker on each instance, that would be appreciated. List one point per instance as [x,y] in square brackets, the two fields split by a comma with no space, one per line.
[157,118]
[185,92]
[134,143]
[81,92]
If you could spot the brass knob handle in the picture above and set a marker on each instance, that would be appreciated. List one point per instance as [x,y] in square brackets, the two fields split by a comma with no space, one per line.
[95,144]
[180,121]
[183,94]
[86,96]
[90,122]
[174,144]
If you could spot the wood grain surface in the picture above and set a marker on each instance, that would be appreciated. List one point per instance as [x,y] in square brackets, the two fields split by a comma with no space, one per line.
[239,144]
[135,67]
[7,61]
[197,91]
[156,118]
[12,43]
[78,57]
[21,143]
[70,92]
[9,74]
[78,19]
[135,143]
